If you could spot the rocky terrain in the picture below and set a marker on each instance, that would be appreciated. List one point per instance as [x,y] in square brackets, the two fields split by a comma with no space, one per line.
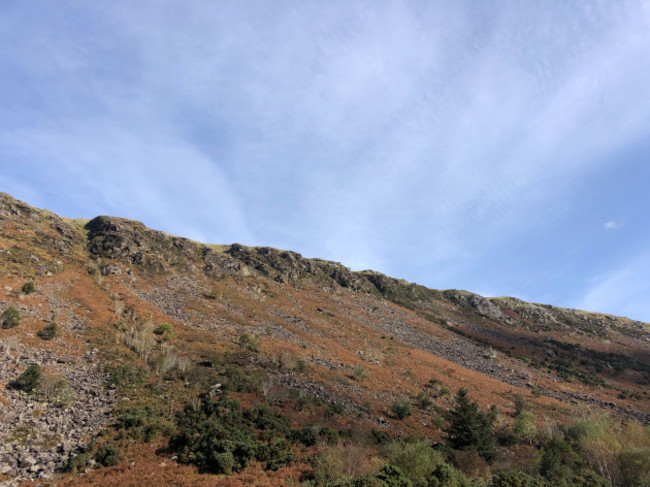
[147,321]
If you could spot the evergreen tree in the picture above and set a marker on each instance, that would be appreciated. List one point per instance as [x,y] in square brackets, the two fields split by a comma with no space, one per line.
[470,428]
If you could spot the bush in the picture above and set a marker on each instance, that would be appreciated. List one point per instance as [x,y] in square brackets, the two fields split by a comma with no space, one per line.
[28,287]
[388,476]
[107,455]
[447,476]
[401,408]
[220,437]
[251,343]
[416,460]
[29,379]
[49,332]
[164,331]
[56,390]
[423,401]
[10,318]
[515,478]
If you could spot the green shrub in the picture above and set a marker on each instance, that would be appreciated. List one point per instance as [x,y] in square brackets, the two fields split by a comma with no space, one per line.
[49,332]
[447,476]
[10,318]
[388,476]
[635,465]
[249,342]
[515,478]
[28,287]
[401,408]
[29,379]
[107,455]
[416,459]
[165,331]
[379,437]
[220,437]
[126,375]
[423,401]
[76,464]
[359,372]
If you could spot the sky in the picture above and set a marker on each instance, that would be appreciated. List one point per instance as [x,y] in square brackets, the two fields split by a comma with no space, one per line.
[501,147]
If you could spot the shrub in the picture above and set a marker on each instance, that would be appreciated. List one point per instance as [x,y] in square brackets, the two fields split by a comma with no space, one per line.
[28,287]
[220,437]
[401,408]
[56,390]
[447,476]
[379,437]
[359,372]
[524,425]
[165,331]
[388,476]
[29,379]
[416,460]
[249,342]
[635,465]
[49,332]
[515,478]
[423,401]
[107,455]
[10,318]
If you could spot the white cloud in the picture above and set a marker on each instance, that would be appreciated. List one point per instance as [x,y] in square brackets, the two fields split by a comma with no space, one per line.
[622,291]
[611,225]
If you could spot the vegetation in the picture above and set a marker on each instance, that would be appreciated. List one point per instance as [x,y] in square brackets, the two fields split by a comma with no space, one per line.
[401,408]
[470,428]
[219,436]
[29,379]
[28,287]
[49,332]
[10,317]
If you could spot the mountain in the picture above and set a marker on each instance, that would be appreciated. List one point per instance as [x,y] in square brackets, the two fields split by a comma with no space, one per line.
[133,357]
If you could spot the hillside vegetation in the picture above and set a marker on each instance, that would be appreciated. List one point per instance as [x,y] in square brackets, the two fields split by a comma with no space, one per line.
[132,357]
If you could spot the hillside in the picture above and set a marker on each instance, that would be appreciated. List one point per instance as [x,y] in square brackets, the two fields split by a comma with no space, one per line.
[143,324]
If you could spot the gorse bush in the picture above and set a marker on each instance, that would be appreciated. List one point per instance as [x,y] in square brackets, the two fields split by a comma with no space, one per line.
[219,436]
[28,287]
[10,318]
[29,379]
[107,455]
[49,332]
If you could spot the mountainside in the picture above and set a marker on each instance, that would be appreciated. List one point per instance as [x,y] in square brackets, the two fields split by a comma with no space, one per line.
[129,327]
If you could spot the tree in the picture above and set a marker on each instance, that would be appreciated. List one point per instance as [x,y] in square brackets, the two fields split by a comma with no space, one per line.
[470,428]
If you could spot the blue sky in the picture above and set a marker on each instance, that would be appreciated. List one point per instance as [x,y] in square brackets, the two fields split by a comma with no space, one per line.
[501,147]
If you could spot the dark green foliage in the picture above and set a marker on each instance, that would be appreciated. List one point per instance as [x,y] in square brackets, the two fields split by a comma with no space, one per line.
[307,435]
[107,455]
[423,401]
[515,478]
[590,479]
[401,408]
[333,409]
[388,476]
[141,423]
[238,380]
[557,461]
[218,436]
[10,318]
[164,331]
[470,428]
[49,332]
[28,287]
[379,437]
[249,342]
[126,375]
[76,464]
[447,476]
[29,379]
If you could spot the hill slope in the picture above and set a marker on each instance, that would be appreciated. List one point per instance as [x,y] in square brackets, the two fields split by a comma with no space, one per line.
[145,322]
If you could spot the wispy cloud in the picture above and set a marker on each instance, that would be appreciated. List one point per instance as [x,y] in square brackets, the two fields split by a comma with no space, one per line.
[611,225]
[416,138]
